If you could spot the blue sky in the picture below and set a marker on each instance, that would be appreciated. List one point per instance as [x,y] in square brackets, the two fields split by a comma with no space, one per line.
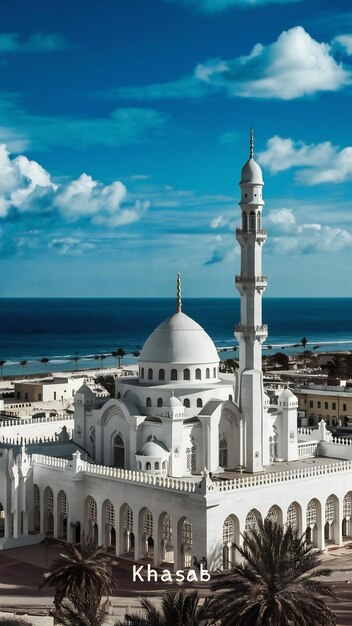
[124,125]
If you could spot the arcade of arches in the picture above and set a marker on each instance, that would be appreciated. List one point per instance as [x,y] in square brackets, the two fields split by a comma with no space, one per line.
[162,538]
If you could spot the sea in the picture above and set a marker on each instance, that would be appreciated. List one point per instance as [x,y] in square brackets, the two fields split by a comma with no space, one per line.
[82,333]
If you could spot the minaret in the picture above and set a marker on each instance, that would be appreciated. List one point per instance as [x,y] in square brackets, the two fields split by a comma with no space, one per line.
[251,332]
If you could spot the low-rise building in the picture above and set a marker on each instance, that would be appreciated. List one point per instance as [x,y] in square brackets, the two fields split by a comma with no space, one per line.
[331,403]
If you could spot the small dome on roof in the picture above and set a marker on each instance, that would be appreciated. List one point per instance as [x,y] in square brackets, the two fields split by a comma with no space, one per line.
[252,173]
[287,393]
[173,401]
[153,448]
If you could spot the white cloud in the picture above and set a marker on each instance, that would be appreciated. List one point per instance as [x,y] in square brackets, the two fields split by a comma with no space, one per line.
[345,41]
[216,6]
[294,66]
[27,188]
[10,43]
[286,236]
[321,163]
[70,245]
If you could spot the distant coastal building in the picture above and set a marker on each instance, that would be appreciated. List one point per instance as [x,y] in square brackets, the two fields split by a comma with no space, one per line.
[330,403]
[184,459]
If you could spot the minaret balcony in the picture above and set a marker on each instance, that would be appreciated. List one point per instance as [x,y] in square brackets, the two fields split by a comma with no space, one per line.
[260,330]
[260,234]
[256,281]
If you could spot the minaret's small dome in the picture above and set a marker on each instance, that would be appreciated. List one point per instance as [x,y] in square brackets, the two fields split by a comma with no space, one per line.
[251,173]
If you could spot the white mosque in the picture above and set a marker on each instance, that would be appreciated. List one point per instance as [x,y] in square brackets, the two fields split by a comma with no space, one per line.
[184,459]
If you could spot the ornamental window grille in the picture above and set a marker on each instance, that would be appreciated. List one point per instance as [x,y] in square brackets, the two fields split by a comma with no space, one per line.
[244,221]
[347,505]
[128,519]
[228,531]
[92,510]
[191,459]
[186,533]
[273,447]
[119,452]
[272,515]
[198,374]
[148,523]
[50,501]
[311,516]
[186,374]
[252,220]
[167,528]
[161,374]
[63,504]
[36,496]
[110,514]
[173,374]
[292,517]
[251,522]
[330,509]
[223,453]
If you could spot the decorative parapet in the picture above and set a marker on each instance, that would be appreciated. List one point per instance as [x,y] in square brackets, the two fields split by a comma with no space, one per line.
[342,441]
[241,328]
[307,449]
[251,231]
[285,476]
[78,465]
[37,420]
[251,279]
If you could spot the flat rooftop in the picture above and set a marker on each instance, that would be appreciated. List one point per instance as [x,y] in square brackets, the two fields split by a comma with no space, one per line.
[283,466]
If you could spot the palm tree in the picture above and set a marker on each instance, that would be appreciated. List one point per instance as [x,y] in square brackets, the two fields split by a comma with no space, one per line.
[2,363]
[102,357]
[23,363]
[45,361]
[177,609]
[74,612]
[136,353]
[80,574]
[303,343]
[76,358]
[276,584]
[119,354]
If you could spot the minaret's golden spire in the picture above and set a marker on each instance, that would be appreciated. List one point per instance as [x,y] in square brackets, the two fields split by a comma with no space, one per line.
[179,301]
[251,144]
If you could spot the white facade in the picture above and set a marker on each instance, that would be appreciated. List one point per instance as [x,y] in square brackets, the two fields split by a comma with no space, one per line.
[182,460]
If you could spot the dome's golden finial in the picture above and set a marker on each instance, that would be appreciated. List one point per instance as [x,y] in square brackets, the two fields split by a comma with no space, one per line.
[179,301]
[251,144]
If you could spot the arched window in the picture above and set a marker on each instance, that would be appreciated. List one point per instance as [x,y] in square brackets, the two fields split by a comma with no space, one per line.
[92,510]
[186,374]
[148,523]
[156,465]
[272,515]
[258,220]
[223,453]
[160,402]
[119,452]
[128,519]
[142,372]
[251,521]
[207,373]
[173,375]
[148,402]
[150,374]
[164,465]
[186,533]
[148,466]
[167,528]
[252,220]
[109,514]
[161,374]
[330,509]
[244,221]
[118,395]
[228,531]
[292,517]
[199,402]
[198,374]
[311,516]
[186,403]
[230,398]
[214,372]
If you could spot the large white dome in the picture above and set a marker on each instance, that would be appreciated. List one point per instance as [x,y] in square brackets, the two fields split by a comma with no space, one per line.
[179,339]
